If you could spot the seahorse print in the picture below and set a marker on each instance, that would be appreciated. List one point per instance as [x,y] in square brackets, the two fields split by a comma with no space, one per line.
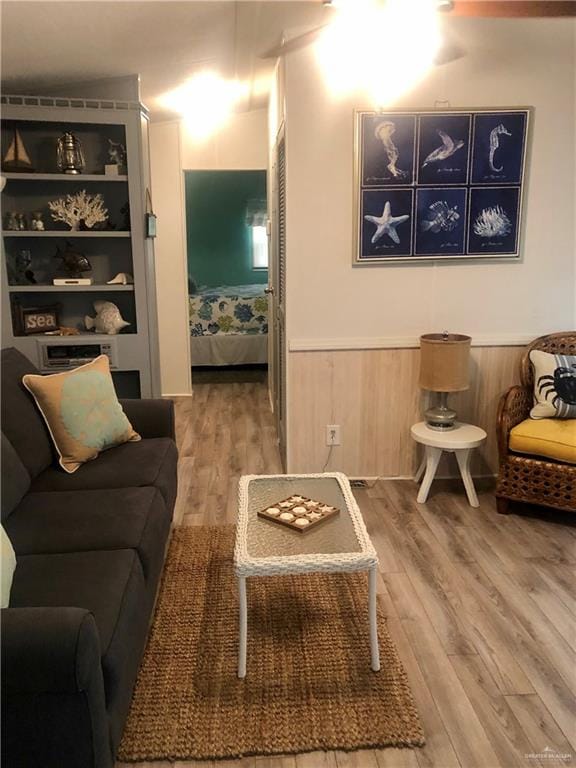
[384,132]
[495,143]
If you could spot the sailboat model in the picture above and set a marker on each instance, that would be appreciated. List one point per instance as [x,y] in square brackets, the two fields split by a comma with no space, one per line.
[16,158]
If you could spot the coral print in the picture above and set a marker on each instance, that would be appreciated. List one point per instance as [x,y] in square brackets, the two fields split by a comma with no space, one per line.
[494,220]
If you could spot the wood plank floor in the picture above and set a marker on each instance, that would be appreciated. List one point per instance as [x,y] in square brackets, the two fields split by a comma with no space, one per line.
[481,607]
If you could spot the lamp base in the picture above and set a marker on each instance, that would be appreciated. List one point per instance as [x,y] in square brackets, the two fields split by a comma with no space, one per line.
[441,417]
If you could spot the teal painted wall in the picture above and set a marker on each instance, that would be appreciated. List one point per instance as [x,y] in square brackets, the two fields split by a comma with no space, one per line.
[217,236]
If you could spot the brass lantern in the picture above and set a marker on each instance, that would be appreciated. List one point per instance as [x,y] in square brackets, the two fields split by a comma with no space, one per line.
[70,155]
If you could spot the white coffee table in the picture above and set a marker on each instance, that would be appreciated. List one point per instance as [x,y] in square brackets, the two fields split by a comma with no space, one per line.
[264,548]
[460,441]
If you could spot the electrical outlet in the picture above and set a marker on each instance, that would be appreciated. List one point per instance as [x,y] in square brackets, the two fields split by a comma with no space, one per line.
[332,434]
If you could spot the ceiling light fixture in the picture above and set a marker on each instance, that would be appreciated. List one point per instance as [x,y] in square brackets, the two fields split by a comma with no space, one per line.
[206,102]
[382,50]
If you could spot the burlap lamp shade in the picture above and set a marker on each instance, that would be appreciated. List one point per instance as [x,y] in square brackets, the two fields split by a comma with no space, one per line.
[444,362]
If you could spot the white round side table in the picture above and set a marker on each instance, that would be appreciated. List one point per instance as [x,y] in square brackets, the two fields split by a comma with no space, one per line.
[460,440]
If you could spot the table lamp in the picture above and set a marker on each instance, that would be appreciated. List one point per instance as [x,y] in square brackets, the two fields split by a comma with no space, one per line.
[444,359]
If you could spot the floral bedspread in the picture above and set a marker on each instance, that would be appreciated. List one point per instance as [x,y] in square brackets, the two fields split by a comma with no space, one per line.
[229,309]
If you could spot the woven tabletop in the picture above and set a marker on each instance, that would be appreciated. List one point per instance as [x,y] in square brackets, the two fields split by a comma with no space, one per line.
[264,548]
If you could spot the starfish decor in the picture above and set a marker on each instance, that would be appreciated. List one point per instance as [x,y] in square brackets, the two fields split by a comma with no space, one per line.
[386,224]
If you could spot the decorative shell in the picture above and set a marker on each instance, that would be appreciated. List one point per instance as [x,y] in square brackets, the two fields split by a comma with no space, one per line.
[122,278]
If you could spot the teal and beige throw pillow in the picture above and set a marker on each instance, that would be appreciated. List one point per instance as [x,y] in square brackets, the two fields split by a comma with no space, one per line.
[554,385]
[8,560]
[81,411]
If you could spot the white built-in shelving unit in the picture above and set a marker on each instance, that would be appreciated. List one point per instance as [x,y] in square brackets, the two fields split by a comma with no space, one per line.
[40,121]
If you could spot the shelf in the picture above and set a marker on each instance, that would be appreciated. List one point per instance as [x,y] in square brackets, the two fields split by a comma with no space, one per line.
[96,338]
[63,177]
[67,288]
[66,233]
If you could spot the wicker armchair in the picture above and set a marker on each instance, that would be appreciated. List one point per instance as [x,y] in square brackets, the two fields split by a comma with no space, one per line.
[523,478]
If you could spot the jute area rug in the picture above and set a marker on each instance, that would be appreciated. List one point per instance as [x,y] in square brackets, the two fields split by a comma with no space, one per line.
[309,684]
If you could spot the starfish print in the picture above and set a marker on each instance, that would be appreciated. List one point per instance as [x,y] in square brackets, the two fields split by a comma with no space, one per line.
[386,224]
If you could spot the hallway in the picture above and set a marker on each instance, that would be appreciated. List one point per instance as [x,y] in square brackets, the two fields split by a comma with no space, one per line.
[224,431]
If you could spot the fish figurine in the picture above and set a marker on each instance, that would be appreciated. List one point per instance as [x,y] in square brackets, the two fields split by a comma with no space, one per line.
[108,319]
[74,263]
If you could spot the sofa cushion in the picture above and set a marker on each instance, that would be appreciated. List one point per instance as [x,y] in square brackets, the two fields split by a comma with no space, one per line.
[22,424]
[15,478]
[552,438]
[132,465]
[111,585]
[78,521]
[82,412]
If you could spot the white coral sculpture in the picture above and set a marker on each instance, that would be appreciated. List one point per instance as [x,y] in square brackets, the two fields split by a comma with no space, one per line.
[77,208]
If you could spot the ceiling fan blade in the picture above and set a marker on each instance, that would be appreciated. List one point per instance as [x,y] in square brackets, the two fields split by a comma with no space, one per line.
[514,8]
[293,44]
[449,51]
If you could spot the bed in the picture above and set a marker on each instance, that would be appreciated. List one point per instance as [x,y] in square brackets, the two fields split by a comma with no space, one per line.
[229,325]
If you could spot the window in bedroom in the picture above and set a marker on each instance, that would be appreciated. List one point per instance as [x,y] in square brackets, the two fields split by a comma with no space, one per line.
[259,243]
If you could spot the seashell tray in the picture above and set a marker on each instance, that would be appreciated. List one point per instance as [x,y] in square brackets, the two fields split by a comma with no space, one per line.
[299,513]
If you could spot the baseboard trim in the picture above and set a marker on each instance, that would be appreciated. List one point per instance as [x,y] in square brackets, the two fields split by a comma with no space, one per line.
[436,477]
[401,342]
[177,394]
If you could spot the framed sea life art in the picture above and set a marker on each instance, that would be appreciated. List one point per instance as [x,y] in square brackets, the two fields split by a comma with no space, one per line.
[439,184]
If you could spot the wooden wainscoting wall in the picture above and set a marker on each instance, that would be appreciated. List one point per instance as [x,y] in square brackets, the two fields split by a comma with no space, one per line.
[373,395]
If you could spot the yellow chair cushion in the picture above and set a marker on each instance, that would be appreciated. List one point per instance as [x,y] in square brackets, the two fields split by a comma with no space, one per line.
[553,438]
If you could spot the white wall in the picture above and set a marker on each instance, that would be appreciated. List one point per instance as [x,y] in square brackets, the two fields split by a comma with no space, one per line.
[241,145]
[332,306]
[513,63]
[170,253]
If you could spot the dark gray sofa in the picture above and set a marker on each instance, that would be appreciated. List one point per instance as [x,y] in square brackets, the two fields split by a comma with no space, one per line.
[90,549]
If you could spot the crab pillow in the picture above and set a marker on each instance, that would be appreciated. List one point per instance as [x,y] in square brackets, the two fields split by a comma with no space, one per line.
[554,385]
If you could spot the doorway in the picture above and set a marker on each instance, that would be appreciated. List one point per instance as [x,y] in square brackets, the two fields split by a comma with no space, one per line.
[227,251]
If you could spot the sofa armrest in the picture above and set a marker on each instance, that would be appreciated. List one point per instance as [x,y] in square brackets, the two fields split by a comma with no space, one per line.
[513,408]
[48,649]
[53,700]
[151,418]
